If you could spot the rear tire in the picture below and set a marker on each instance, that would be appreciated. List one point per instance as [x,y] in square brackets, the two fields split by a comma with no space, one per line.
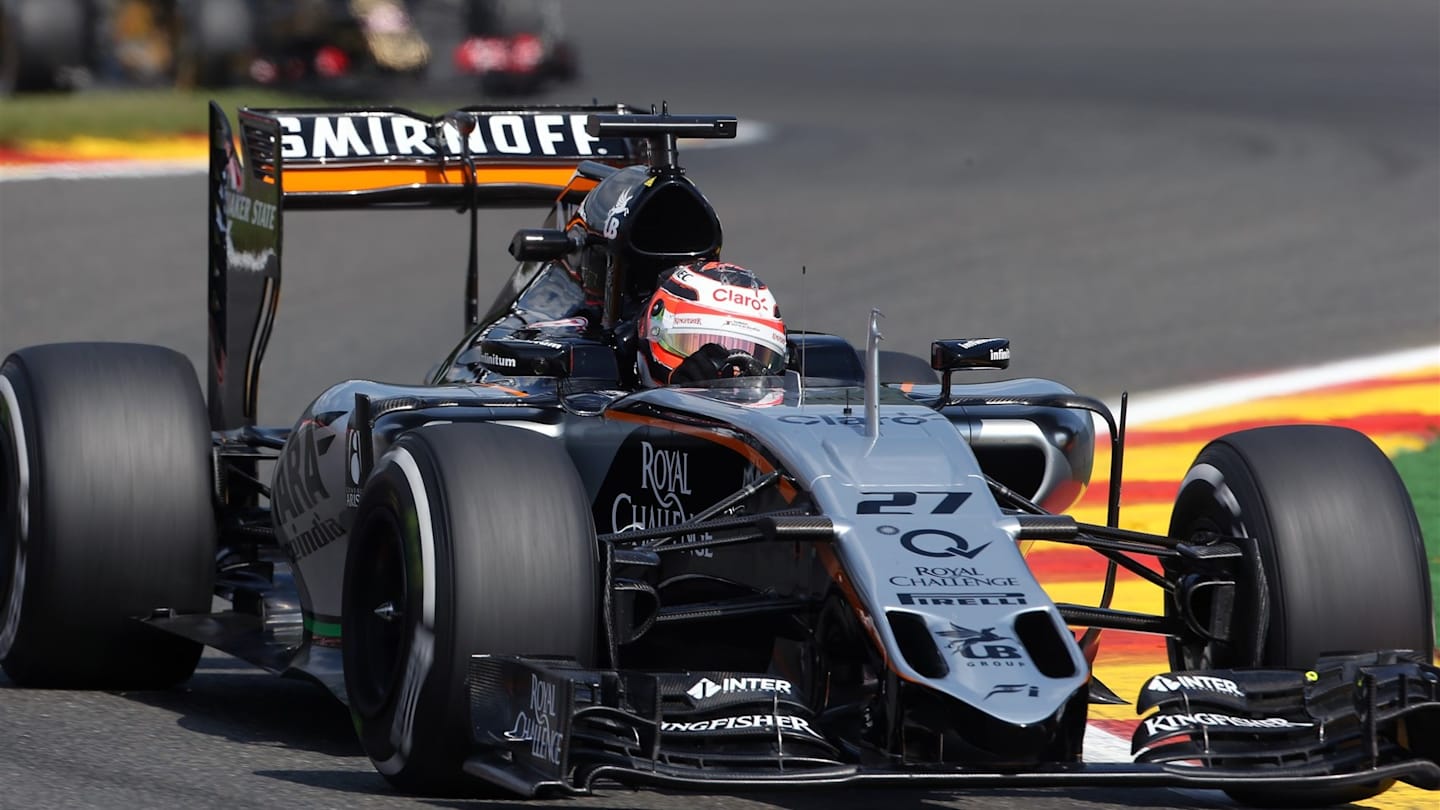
[1340,547]
[105,514]
[502,515]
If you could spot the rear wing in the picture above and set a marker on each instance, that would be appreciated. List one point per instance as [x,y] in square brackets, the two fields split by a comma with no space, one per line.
[287,159]
[391,156]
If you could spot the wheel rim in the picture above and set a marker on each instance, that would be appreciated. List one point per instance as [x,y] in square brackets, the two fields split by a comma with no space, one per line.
[378,608]
[1198,654]
[1205,653]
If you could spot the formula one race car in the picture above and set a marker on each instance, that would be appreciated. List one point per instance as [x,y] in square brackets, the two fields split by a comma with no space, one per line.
[367,48]
[535,573]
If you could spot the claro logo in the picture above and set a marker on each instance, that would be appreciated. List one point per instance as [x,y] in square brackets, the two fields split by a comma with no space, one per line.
[728,295]
[853,421]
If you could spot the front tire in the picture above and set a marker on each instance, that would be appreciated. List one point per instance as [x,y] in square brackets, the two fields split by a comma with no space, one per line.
[469,538]
[105,514]
[1340,548]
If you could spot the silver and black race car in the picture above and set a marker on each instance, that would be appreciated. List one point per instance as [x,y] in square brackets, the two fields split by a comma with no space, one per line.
[532,573]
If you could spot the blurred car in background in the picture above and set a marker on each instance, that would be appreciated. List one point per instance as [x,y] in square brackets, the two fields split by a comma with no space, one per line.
[349,47]
[515,47]
[74,44]
[359,47]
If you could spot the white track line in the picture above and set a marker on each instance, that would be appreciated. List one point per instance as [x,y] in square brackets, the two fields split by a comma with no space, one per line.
[101,170]
[747,133]
[1188,400]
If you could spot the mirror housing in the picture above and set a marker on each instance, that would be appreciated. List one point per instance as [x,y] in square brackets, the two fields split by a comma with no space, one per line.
[963,353]
[545,358]
[540,244]
[949,356]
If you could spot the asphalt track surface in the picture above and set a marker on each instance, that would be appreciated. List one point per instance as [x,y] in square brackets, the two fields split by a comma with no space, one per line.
[1140,194]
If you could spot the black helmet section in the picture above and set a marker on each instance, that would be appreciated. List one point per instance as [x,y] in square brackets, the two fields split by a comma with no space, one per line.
[648,223]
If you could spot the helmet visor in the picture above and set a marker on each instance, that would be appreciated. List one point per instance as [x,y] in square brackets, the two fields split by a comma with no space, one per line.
[684,335]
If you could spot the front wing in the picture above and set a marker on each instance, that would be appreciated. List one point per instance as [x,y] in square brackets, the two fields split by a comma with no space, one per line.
[549,726]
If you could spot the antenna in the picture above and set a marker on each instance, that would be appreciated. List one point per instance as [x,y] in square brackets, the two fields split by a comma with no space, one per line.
[872,377]
[803,352]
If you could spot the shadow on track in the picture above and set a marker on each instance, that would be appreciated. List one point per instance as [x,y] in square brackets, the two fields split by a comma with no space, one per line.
[227,698]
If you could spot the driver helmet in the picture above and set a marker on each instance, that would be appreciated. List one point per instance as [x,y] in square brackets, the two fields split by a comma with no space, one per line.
[709,302]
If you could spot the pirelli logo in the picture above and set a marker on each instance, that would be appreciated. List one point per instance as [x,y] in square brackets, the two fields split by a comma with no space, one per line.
[385,135]
[948,599]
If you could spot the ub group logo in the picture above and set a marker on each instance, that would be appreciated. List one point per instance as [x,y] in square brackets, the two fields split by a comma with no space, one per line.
[979,647]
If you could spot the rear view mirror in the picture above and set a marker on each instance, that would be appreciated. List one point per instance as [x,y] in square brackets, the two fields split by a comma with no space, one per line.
[544,358]
[540,244]
[961,353]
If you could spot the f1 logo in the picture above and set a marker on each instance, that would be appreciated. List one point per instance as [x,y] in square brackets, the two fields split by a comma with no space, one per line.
[1014,689]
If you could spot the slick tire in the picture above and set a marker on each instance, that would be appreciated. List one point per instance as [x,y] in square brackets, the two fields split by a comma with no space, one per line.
[469,538]
[105,514]
[1340,547]
[38,40]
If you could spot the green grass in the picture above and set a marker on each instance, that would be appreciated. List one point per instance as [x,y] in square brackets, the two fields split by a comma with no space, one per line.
[1421,472]
[146,113]
[121,113]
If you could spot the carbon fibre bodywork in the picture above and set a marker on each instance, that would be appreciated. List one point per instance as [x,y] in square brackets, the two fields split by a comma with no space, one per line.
[636,728]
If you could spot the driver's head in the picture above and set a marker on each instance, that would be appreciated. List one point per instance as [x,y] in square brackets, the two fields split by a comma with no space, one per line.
[709,320]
